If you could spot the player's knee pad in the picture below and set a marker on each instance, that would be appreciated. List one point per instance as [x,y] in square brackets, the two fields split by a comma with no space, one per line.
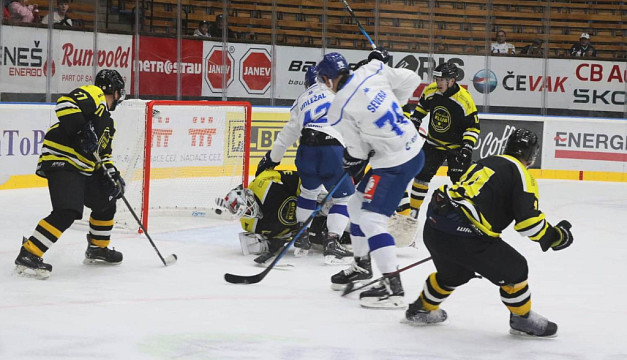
[63,218]
[372,223]
[106,213]
[310,194]
[307,202]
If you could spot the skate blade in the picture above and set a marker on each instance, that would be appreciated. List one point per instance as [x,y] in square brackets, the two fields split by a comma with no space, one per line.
[415,323]
[523,335]
[300,252]
[277,266]
[341,287]
[333,260]
[87,261]
[26,272]
[392,303]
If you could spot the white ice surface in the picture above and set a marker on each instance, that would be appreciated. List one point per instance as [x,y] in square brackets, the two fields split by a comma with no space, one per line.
[143,310]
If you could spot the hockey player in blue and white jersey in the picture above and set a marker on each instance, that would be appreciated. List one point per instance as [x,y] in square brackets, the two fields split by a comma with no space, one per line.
[319,164]
[367,111]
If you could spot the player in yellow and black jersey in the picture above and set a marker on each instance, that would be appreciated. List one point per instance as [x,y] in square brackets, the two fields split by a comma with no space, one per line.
[75,178]
[276,193]
[463,228]
[453,125]
[267,212]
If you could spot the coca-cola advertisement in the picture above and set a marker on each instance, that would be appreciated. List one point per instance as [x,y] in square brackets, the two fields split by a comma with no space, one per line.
[496,129]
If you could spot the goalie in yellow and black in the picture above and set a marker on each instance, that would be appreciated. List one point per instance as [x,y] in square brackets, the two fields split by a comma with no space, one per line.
[453,130]
[75,178]
[267,212]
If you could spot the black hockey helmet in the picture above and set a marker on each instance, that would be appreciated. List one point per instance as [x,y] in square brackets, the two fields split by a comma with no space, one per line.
[109,81]
[446,70]
[523,144]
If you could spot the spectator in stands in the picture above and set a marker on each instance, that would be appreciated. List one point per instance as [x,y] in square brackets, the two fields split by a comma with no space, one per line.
[216,29]
[203,30]
[583,47]
[502,47]
[21,12]
[60,17]
[534,49]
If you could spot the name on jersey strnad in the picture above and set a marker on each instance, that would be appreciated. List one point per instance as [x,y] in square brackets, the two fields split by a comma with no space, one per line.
[377,101]
[312,100]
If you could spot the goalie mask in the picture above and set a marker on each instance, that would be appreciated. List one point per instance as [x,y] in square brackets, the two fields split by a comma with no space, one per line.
[241,203]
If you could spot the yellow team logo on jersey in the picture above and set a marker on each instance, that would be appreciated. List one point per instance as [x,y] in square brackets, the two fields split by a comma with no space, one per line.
[440,119]
[287,211]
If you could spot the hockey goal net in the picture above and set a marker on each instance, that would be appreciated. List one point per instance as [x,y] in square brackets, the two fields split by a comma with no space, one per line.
[178,156]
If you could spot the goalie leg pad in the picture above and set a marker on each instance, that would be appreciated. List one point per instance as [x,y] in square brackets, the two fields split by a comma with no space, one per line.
[253,243]
[404,230]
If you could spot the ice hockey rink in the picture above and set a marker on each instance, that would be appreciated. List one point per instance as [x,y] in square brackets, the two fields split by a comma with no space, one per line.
[143,310]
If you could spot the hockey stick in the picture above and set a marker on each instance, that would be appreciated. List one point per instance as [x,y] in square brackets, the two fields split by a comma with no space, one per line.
[350,287]
[170,259]
[253,279]
[350,11]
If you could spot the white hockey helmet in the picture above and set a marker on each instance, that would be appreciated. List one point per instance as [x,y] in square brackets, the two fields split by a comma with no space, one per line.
[241,203]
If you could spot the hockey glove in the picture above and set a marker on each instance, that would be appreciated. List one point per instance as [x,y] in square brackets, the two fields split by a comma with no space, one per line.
[88,139]
[464,154]
[558,237]
[566,237]
[410,112]
[354,166]
[265,163]
[112,183]
[380,53]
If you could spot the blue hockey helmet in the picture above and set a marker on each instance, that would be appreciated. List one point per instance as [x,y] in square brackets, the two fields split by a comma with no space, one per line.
[332,65]
[310,76]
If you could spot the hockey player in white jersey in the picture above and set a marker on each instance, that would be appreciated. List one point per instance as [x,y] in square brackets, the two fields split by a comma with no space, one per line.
[367,111]
[319,164]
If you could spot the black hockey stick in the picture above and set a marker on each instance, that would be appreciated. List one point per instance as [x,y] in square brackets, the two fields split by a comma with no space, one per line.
[170,259]
[350,11]
[253,279]
[350,287]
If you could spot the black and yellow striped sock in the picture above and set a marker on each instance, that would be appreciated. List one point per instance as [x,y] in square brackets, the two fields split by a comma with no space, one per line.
[517,297]
[434,293]
[100,230]
[419,191]
[48,231]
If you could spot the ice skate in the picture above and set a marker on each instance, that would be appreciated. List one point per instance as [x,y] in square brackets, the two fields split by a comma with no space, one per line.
[264,259]
[334,253]
[302,245]
[388,294]
[30,265]
[532,324]
[101,255]
[416,314]
[360,269]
